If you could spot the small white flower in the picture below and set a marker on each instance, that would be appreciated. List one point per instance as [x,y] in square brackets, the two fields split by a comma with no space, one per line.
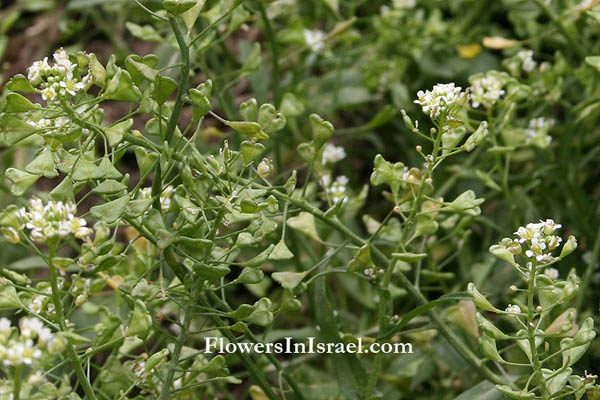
[513,309]
[551,273]
[314,39]
[526,57]
[333,154]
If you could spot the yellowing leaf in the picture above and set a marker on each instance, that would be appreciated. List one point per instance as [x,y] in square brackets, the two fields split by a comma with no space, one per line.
[305,223]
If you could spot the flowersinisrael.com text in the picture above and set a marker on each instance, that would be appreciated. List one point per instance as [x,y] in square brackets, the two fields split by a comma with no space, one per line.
[288,346]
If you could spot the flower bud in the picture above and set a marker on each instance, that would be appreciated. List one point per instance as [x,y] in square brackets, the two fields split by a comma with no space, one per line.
[265,168]
[569,247]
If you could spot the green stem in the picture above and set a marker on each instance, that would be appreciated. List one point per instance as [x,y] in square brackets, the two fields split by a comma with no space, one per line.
[537,366]
[183,79]
[591,267]
[17,381]
[164,395]
[70,349]
[274,52]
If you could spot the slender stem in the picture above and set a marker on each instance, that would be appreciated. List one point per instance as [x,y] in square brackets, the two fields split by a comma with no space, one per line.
[535,360]
[274,51]
[183,79]
[17,381]
[164,395]
[591,267]
[71,353]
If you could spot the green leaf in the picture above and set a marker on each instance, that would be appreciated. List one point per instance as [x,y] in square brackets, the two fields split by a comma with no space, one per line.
[322,130]
[43,164]
[281,252]
[489,349]
[163,88]
[136,208]
[139,69]
[304,223]
[385,172]
[291,106]
[20,180]
[249,110]
[13,129]
[178,7]
[145,160]
[252,129]
[109,186]
[116,132]
[108,169]
[250,151]
[111,211]
[63,191]
[409,257]
[362,260]
[86,170]
[9,298]
[200,103]
[16,103]
[20,83]
[191,16]
[288,280]
[146,32]
[250,276]
[270,120]
[593,61]
[122,88]
[479,299]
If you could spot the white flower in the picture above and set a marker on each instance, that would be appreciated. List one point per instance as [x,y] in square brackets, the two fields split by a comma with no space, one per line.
[513,309]
[486,90]
[49,93]
[551,273]
[440,99]
[314,39]
[336,190]
[526,57]
[333,154]
[537,132]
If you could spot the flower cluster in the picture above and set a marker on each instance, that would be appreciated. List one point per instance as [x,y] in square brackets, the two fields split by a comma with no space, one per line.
[28,346]
[486,89]
[44,222]
[538,240]
[333,154]
[441,99]
[335,191]
[537,132]
[62,78]
[51,127]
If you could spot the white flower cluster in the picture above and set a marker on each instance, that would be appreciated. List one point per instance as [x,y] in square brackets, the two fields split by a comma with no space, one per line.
[333,154]
[536,133]
[540,240]
[165,197]
[486,90]
[335,191]
[440,99]
[314,39]
[26,347]
[41,302]
[44,222]
[57,79]
[527,62]
[50,127]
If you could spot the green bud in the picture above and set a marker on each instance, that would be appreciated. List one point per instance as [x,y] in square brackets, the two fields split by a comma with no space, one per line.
[568,247]
[503,253]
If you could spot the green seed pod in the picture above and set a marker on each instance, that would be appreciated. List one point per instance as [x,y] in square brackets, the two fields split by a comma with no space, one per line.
[479,299]
[178,7]
[569,247]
